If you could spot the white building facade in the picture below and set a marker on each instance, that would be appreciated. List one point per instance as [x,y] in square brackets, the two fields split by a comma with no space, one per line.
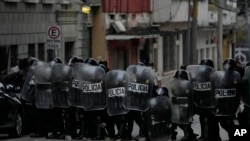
[172,18]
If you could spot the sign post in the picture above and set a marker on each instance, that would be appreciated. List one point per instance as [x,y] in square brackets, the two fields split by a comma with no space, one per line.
[54,37]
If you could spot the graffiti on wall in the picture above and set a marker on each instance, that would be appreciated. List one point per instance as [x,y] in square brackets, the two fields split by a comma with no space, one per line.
[241,54]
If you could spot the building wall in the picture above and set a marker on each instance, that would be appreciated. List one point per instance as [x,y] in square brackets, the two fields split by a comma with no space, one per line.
[228,18]
[122,53]
[98,35]
[126,6]
[23,24]
[161,10]
[206,45]
[177,11]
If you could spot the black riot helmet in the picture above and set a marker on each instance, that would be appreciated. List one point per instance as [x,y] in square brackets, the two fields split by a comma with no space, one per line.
[72,60]
[80,60]
[207,62]
[162,91]
[229,64]
[56,60]
[181,74]
[247,64]
[140,64]
[26,62]
[91,61]
[104,67]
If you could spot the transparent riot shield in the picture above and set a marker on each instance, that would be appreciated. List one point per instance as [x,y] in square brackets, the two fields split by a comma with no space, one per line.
[42,78]
[140,87]
[226,87]
[87,87]
[116,83]
[245,92]
[200,78]
[61,75]
[28,88]
[158,119]
[181,93]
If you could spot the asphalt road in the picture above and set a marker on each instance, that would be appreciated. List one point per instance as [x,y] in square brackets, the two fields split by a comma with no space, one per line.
[195,126]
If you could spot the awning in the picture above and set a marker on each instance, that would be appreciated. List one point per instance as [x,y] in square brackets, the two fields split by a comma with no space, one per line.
[128,37]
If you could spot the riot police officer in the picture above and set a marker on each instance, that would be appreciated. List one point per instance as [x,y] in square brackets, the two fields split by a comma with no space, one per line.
[94,119]
[116,85]
[243,114]
[204,99]
[226,92]
[141,76]
[181,86]
[56,114]
[71,113]
[158,116]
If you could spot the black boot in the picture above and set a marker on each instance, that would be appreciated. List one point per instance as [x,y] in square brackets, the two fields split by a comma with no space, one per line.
[204,128]
[174,133]
[188,133]
[121,129]
[99,131]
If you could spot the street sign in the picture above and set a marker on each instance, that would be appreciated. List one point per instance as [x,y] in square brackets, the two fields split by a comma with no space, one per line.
[54,37]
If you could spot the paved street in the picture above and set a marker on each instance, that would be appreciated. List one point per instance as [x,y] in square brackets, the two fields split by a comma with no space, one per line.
[195,126]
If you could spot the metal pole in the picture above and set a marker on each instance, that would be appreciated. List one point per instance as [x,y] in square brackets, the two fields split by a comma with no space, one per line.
[194,33]
[220,37]
[248,44]
[188,33]
[248,27]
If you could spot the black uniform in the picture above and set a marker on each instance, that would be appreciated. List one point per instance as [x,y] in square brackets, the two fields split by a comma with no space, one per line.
[116,85]
[182,105]
[204,100]
[225,84]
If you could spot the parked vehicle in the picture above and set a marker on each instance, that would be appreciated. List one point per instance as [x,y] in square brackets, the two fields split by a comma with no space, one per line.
[11,112]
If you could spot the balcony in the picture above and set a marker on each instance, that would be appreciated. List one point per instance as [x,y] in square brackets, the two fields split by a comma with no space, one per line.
[94,2]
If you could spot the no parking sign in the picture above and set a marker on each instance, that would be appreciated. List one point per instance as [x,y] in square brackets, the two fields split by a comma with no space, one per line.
[54,37]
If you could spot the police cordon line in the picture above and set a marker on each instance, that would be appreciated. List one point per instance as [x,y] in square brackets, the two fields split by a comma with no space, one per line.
[88,96]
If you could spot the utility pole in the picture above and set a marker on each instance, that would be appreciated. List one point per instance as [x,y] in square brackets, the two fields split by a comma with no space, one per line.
[248,27]
[248,44]
[220,37]
[194,33]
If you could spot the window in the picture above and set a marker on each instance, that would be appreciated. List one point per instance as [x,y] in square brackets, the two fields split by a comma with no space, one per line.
[123,16]
[207,52]
[111,16]
[65,6]
[50,54]
[202,54]
[47,7]
[13,55]
[30,7]
[169,50]
[31,50]
[41,51]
